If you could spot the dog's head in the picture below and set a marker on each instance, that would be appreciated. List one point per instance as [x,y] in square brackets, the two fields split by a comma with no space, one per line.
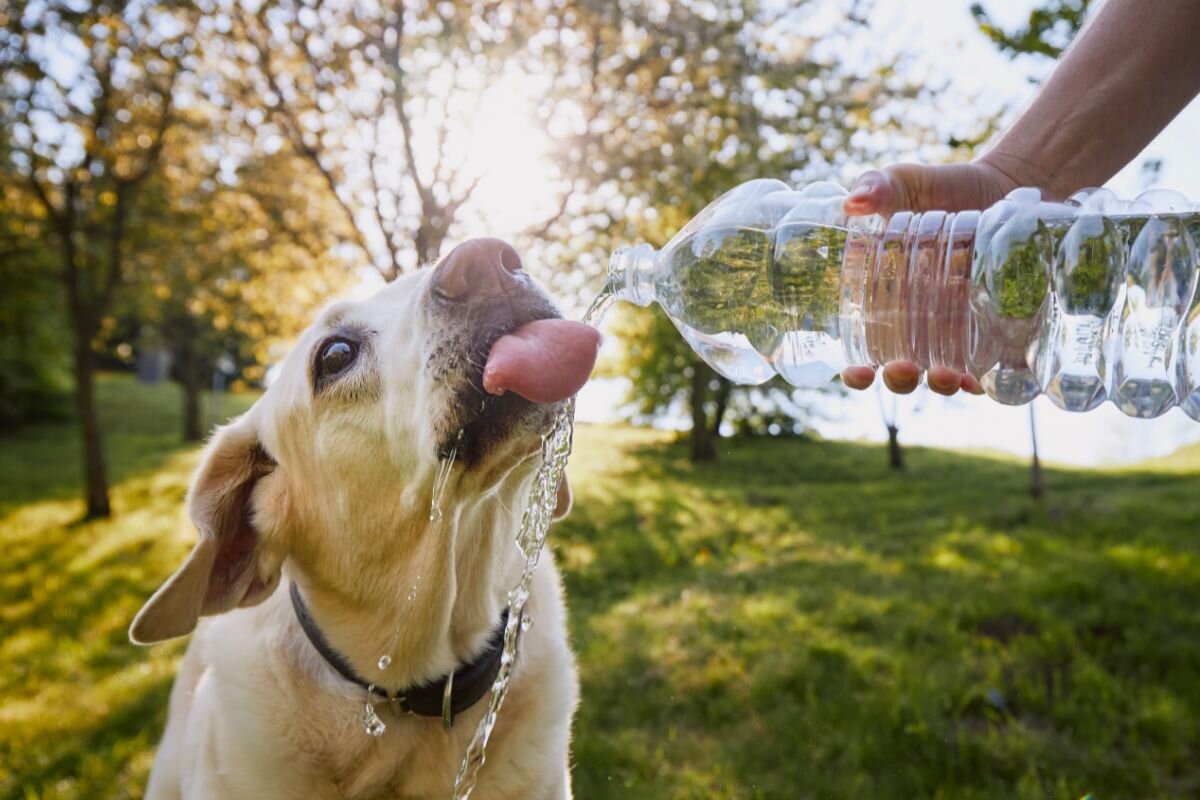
[340,453]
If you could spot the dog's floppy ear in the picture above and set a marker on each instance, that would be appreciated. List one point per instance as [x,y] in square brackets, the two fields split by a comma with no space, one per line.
[563,506]
[228,567]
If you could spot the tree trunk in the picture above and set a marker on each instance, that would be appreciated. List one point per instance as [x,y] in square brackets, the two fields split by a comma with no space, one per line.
[189,379]
[95,473]
[895,454]
[722,406]
[83,327]
[1036,487]
[703,448]
[428,242]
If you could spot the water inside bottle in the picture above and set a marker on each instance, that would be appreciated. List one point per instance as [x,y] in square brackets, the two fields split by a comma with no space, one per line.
[716,285]
[1087,300]
[753,302]
[807,300]
[1160,282]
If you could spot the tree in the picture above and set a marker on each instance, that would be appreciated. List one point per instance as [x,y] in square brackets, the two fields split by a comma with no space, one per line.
[378,99]
[891,421]
[1047,32]
[673,105]
[1037,486]
[88,98]
[34,361]
[233,261]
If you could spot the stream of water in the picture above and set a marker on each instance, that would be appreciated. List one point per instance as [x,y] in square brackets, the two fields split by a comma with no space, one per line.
[539,513]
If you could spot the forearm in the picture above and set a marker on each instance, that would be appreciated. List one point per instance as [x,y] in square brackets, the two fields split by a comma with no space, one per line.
[1129,72]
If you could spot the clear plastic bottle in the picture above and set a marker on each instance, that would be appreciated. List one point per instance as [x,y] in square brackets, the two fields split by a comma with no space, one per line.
[1087,300]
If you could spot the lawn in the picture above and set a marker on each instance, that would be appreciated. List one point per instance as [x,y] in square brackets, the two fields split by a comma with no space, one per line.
[794,621]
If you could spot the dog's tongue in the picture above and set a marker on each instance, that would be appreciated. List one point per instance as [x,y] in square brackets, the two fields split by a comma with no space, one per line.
[543,361]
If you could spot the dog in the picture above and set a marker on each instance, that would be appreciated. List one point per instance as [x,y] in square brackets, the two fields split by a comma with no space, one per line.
[320,551]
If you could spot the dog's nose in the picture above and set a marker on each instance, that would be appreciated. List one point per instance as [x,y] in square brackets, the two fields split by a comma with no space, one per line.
[476,267]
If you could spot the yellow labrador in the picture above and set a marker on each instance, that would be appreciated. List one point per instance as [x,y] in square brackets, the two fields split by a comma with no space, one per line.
[318,554]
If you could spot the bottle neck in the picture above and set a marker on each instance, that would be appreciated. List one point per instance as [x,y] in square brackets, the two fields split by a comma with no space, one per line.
[631,274]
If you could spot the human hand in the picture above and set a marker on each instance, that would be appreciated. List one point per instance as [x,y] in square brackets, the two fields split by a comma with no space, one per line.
[914,187]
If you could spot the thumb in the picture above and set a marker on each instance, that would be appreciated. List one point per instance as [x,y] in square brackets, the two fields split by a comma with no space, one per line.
[872,193]
[916,187]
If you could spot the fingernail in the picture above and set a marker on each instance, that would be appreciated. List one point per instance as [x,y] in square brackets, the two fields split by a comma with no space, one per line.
[866,183]
[940,380]
[969,384]
[858,377]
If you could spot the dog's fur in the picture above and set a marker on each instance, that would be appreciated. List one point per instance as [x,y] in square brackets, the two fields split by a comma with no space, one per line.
[330,486]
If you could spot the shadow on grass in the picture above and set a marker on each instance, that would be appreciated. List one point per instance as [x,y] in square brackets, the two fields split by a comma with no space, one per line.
[142,429]
[794,621]
[81,709]
[91,761]
[799,621]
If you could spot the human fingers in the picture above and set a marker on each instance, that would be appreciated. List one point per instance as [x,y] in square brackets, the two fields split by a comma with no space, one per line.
[922,187]
[902,377]
[858,377]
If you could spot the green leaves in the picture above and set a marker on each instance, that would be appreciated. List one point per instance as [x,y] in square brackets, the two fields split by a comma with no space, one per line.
[1047,32]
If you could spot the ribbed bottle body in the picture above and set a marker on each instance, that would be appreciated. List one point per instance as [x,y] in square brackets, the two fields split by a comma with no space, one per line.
[1089,300]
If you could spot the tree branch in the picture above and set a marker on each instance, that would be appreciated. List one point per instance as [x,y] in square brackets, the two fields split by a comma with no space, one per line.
[160,136]
[292,128]
[56,216]
[116,237]
[453,206]
[392,55]
[538,231]
[384,231]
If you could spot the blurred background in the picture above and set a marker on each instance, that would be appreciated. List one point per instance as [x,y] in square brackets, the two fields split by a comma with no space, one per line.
[774,593]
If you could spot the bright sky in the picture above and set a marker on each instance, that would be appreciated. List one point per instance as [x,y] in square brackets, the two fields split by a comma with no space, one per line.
[944,36]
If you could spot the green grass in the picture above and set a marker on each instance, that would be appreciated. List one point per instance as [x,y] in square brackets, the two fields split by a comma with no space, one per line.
[80,708]
[795,621]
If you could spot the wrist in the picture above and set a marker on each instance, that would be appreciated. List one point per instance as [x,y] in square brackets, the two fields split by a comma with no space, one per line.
[1004,171]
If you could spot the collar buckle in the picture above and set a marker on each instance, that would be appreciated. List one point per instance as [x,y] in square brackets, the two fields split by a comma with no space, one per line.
[472,681]
[447,707]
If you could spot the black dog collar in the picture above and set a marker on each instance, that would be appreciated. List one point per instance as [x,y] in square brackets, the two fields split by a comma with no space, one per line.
[466,685]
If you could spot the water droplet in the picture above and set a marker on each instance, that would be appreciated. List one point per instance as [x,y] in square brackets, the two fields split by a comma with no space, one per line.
[373,725]
[384,662]
[371,722]
[440,479]
[526,622]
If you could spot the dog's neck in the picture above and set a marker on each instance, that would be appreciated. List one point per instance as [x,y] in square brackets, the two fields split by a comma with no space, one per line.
[428,597]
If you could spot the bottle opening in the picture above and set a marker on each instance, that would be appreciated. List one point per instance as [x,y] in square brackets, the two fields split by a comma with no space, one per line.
[631,274]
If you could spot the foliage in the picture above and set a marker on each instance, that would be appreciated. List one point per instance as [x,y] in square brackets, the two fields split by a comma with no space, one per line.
[110,118]
[86,97]
[1047,32]
[153,210]
[34,365]
[378,98]
[230,265]
[799,622]
[1019,277]
[1092,258]
[661,373]
[679,103]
